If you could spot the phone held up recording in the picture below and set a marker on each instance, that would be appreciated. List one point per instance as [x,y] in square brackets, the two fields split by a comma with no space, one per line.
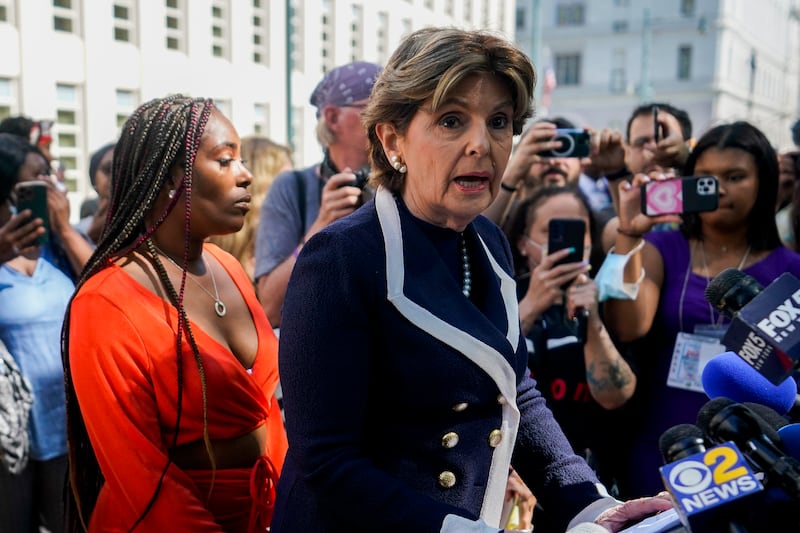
[574,143]
[690,194]
[33,195]
[569,233]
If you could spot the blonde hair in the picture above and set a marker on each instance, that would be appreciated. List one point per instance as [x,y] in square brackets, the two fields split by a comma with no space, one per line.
[429,64]
[265,159]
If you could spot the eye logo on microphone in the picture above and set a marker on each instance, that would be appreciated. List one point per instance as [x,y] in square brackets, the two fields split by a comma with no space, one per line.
[690,477]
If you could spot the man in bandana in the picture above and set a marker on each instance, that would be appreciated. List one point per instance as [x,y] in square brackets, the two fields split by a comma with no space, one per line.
[302,202]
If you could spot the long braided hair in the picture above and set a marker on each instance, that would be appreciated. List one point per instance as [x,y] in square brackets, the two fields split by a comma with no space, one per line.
[160,135]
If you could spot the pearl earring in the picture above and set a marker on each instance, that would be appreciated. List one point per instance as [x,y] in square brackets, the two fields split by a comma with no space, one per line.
[171,194]
[398,165]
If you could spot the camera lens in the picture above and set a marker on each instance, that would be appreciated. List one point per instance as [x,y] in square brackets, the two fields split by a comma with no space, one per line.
[567,146]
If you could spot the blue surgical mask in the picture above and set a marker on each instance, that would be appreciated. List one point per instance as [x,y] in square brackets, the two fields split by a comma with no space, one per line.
[609,278]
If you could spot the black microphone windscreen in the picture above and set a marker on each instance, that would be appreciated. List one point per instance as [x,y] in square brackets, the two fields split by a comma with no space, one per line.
[681,441]
[709,410]
[731,290]
[773,418]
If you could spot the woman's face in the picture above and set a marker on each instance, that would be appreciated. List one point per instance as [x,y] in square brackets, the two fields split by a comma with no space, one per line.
[533,245]
[457,155]
[102,177]
[220,199]
[34,167]
[738,185]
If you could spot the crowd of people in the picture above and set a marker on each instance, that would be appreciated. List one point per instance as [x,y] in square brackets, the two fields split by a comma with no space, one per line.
[387,339]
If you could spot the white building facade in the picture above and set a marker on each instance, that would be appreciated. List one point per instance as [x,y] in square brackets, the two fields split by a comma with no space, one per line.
[720,60]
[87,64]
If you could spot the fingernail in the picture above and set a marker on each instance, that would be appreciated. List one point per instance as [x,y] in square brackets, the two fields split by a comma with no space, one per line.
[572,249]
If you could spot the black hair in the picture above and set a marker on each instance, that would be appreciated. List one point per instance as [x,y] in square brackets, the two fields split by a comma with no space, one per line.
[13,152]
[94,162]
[647,109]
[559,122]
[161,135]
[20,126]
[762,232]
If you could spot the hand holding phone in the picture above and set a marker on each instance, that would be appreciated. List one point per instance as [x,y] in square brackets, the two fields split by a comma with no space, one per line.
[32,195]
[690,194]
[574,143]
[566,233]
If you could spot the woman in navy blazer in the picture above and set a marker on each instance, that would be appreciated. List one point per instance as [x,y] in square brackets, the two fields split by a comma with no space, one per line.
[403,368]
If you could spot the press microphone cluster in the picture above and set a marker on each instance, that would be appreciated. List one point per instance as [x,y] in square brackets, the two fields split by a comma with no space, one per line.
[765,322]
[729,472]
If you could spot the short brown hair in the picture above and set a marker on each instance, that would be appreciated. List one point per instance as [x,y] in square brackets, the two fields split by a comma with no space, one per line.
[429,64]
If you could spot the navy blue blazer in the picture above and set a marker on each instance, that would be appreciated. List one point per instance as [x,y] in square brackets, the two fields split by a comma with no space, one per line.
[404,401]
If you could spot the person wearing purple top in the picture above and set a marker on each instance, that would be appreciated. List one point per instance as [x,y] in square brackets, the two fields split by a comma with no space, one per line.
[674,330]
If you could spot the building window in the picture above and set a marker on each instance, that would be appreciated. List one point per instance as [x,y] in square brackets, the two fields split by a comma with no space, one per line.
[68,142]
[296,36]
[570,14]
[261,32]
[448,7]
[66,16]
[7,11]
[568,69]
[468,10]
[684,62]
[383,37]
[429,4]
[327,30]
[687,8]
[220,29]
[126,103]
[618,81]
[619,26]
[261,119]
[175,25]
[356,34]
[125,21]
[224,106]
[6,97]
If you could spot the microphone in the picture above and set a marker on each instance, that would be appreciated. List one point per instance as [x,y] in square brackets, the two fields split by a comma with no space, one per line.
[728,376]
[714,489]
[763,329]
[790,439]
[681,441]
[723,420]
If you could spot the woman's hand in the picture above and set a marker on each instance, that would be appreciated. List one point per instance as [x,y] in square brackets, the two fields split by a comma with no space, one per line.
[631,219]
[582,294]
[57,209]
[537,139]
[547,278]
[18,235]
[518,492]
[616,518]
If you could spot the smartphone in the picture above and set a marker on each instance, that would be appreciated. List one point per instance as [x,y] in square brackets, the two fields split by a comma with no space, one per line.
[566,233]
[33,195]
[656,125]
[574,143]
[690,194]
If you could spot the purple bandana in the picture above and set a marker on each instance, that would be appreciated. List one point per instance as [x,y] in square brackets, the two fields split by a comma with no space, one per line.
[345,84]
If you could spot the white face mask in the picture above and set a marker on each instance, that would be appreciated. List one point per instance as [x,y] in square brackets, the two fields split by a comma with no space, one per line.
[542,247]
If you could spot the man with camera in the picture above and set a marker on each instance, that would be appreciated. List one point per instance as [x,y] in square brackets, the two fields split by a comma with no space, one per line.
[542,157]
[302,202]
[658,139]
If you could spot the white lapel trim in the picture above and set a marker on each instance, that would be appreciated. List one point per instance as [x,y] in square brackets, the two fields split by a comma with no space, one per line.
[483,355]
